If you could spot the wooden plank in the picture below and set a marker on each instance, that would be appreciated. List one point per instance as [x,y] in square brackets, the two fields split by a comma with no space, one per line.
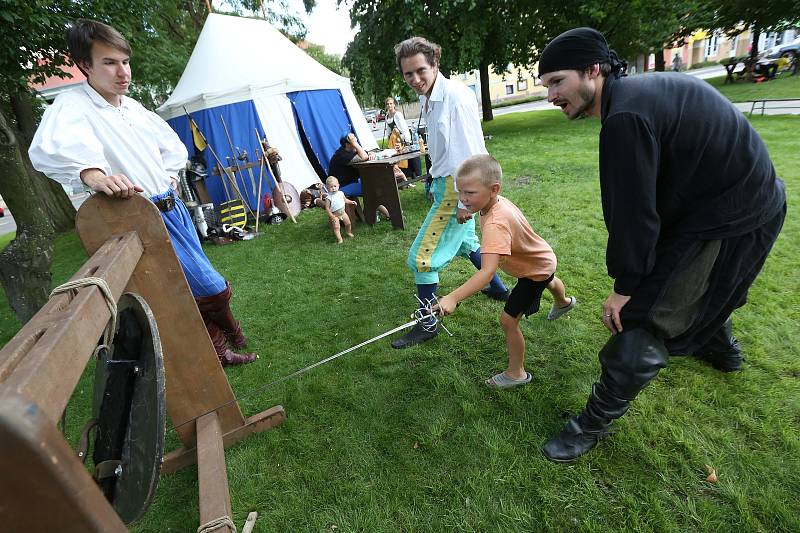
[215,500]
[196,382]
[45,360]
[43,485]
[183,457]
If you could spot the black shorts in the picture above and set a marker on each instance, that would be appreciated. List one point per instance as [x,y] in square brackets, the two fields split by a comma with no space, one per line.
[526,296]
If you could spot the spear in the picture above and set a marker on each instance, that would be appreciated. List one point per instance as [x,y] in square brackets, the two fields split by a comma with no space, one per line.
[278,181]
[223,171]
[238,168]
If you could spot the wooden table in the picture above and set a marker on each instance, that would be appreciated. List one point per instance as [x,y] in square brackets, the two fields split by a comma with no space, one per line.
[730,66]
[379,187]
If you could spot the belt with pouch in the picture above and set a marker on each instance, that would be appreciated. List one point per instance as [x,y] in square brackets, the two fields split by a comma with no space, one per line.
[165,204]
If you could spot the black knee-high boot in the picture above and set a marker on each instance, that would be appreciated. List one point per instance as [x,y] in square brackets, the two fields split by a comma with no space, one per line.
[722,351]
[630,360]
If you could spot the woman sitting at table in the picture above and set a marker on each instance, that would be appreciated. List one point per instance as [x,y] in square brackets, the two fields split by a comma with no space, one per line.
[400,134]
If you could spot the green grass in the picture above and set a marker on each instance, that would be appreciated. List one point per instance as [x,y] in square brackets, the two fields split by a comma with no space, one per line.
[515,101]
[745,91]
[385,440]
[7,238]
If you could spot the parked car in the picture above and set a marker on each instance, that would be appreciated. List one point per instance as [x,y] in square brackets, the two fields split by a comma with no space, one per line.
[790,50]
[2,212]
[371,115]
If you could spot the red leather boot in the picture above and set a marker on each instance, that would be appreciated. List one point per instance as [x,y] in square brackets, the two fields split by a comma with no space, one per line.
[218,309]
[215,309]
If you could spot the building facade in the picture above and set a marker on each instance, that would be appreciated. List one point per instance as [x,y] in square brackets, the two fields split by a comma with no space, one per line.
[513,84]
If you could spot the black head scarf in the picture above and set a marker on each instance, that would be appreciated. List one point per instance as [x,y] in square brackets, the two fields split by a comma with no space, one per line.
[577,49]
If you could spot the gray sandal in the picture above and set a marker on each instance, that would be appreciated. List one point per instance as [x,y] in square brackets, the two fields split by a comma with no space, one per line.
[501,381]
[556,312]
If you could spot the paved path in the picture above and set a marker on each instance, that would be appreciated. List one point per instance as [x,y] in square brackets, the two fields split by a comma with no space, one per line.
[776,107]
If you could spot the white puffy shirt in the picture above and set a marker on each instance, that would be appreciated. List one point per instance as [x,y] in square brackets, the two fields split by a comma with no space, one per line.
[82,130]
[454,126]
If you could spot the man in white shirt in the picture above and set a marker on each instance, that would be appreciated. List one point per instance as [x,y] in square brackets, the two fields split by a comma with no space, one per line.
[454,134]
[119,148]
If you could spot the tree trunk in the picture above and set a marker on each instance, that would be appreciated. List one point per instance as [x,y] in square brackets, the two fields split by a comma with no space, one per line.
[756,31]
[486,97]
[25,263]
[57,206]
[659,55]
[750,64]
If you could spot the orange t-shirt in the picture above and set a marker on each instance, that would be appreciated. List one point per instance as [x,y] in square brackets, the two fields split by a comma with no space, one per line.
[523,254]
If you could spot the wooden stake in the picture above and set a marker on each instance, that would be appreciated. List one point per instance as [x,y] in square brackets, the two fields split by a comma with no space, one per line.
[258,198]
[278,181]
[250,523]
[279,184]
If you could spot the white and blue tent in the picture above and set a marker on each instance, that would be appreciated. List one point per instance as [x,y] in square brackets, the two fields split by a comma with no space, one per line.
[247,72]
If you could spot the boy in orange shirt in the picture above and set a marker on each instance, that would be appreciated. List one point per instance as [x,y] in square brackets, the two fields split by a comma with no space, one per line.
[509,243]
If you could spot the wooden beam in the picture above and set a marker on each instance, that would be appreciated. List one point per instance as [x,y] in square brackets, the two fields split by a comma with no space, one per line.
[183,457]
[215,500]
[45,360]
[43,485]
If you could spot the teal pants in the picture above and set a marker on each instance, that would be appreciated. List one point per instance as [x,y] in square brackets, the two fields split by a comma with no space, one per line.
[441,237]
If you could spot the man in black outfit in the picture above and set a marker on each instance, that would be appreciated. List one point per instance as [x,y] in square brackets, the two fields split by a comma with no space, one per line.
[692,206]
[349,152]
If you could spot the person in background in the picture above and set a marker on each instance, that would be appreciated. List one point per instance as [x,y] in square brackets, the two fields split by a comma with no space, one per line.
[677,63]
[396,122]
[334,201]
[341,164]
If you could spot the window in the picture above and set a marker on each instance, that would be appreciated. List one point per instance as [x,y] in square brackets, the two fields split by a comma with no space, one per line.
[463,75]
[712,45]
[734,44]
[522,85]
[509,89]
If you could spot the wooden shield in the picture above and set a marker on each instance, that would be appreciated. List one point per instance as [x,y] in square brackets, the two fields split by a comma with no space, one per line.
[130,409]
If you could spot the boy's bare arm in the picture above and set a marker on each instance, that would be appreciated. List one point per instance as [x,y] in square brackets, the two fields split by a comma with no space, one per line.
[489,264]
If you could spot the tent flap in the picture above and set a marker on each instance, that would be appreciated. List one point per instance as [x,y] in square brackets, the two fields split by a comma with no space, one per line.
[324,119]
[242,122]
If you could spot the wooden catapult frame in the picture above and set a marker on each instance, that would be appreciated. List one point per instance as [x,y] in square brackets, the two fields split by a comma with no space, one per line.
[43,484]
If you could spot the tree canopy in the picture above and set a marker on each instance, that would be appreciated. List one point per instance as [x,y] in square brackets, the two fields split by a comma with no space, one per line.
[478,33]
[162,34]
